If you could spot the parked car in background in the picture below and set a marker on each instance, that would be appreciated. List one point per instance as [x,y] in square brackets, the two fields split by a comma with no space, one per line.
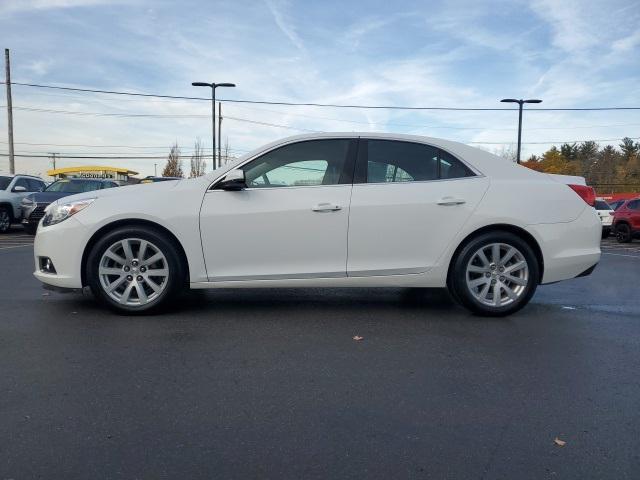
[605,212]
[410,211]
[33,205]
[626,221]
[13,188]
[151,179]
[616,204]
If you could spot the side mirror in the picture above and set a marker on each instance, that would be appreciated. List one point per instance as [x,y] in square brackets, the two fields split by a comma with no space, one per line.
[233,181]
[19,188]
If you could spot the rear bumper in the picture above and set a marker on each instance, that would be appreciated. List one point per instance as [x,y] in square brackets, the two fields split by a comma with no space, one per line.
[569,249]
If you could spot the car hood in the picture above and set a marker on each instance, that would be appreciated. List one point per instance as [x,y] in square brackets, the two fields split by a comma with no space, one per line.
[48,197]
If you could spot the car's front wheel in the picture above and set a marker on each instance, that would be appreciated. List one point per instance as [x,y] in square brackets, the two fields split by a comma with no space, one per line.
[494,274]
[135,270]
[30,228]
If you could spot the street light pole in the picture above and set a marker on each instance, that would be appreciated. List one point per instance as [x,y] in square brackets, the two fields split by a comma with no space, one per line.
[213,87]
[520,103]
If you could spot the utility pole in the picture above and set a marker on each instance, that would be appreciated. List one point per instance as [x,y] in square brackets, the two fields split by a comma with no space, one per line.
[12,164]
[53,158]
[220,134]
[155,169]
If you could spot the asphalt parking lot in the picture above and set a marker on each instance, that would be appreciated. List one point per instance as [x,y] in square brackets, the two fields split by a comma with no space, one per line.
[271,384]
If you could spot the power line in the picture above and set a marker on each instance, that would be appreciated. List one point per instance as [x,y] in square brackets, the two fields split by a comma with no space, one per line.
[113,146]
[310,104]
[70,157]
[133,157]
[556,141]
[153,115]
[157,115]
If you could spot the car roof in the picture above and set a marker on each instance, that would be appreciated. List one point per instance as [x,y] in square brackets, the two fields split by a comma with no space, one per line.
[481,161]
[13,175]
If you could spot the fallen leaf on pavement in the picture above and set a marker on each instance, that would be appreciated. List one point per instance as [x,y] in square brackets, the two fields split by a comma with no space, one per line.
[357,338]
[560,443]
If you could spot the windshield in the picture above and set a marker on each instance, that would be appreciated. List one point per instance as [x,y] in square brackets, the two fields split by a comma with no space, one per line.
[73,186]
[4,182]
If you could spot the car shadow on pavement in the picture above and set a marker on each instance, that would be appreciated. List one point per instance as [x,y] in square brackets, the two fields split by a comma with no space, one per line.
[432,304]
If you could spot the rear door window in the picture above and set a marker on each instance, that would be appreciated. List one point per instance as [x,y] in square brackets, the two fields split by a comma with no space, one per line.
[394,161]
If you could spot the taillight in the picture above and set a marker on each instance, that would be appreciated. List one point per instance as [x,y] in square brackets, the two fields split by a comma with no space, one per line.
[588,194]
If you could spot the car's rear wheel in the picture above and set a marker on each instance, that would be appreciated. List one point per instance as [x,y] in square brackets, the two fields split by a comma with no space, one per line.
[135,270]
[623,233]
[495,274]
[5,219]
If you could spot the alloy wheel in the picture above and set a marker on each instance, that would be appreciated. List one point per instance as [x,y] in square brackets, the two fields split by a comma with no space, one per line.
[133,271]
[497,274]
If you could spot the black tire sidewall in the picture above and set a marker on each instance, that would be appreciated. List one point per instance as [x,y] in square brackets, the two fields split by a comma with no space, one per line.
[2,229]
[160,240]
[458,273]
[623,233]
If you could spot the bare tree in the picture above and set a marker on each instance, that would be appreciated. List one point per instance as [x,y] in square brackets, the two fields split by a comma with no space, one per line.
[507,152]
[198,162]
[173,168]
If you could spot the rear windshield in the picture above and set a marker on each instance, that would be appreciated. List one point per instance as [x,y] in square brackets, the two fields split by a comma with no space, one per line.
[602,205]
[74,186]
[4,182]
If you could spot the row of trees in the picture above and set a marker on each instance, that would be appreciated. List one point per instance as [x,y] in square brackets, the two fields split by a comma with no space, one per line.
[197,162]
[607,168]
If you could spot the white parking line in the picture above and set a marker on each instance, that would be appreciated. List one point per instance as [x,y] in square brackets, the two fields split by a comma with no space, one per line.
[17,246]
[621,255]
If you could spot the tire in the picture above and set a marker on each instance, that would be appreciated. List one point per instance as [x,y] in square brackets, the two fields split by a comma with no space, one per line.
[119,267]
[494,286]
[5,219]
[623,233]
[30,228]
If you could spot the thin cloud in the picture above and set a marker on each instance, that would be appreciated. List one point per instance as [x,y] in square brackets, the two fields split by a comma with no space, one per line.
[276,9]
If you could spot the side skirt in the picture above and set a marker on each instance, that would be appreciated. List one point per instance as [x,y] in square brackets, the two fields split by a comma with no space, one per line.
[410,280]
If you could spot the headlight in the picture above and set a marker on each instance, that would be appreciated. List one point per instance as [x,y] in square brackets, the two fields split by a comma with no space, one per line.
[27,202]
[57,213]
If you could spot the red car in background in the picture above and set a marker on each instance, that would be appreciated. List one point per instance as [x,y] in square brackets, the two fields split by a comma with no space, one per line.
[626,221]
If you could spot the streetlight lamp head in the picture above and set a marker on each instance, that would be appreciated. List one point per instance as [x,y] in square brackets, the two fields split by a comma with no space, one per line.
[200,84]
[225,84]
[510,100]
[533,100]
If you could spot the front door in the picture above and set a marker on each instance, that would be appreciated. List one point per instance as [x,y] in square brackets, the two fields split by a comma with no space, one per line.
[290,222]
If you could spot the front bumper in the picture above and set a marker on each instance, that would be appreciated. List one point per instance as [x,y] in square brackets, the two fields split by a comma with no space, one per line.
[63,243]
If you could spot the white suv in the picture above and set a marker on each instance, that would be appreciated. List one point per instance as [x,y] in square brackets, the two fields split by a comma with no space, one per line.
[13,188]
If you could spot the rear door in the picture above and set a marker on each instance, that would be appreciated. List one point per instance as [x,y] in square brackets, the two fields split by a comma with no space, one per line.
[409,201]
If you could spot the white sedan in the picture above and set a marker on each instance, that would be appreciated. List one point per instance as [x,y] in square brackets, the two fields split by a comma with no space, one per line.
[329,210]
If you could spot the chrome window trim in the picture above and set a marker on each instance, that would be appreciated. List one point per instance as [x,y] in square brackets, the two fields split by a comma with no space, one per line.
[477,173]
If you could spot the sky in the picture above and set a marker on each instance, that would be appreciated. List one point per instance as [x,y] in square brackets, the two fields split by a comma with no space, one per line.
[433,53]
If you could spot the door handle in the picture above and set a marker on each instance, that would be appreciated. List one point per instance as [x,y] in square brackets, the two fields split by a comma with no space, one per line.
[326,207]
[447,201]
